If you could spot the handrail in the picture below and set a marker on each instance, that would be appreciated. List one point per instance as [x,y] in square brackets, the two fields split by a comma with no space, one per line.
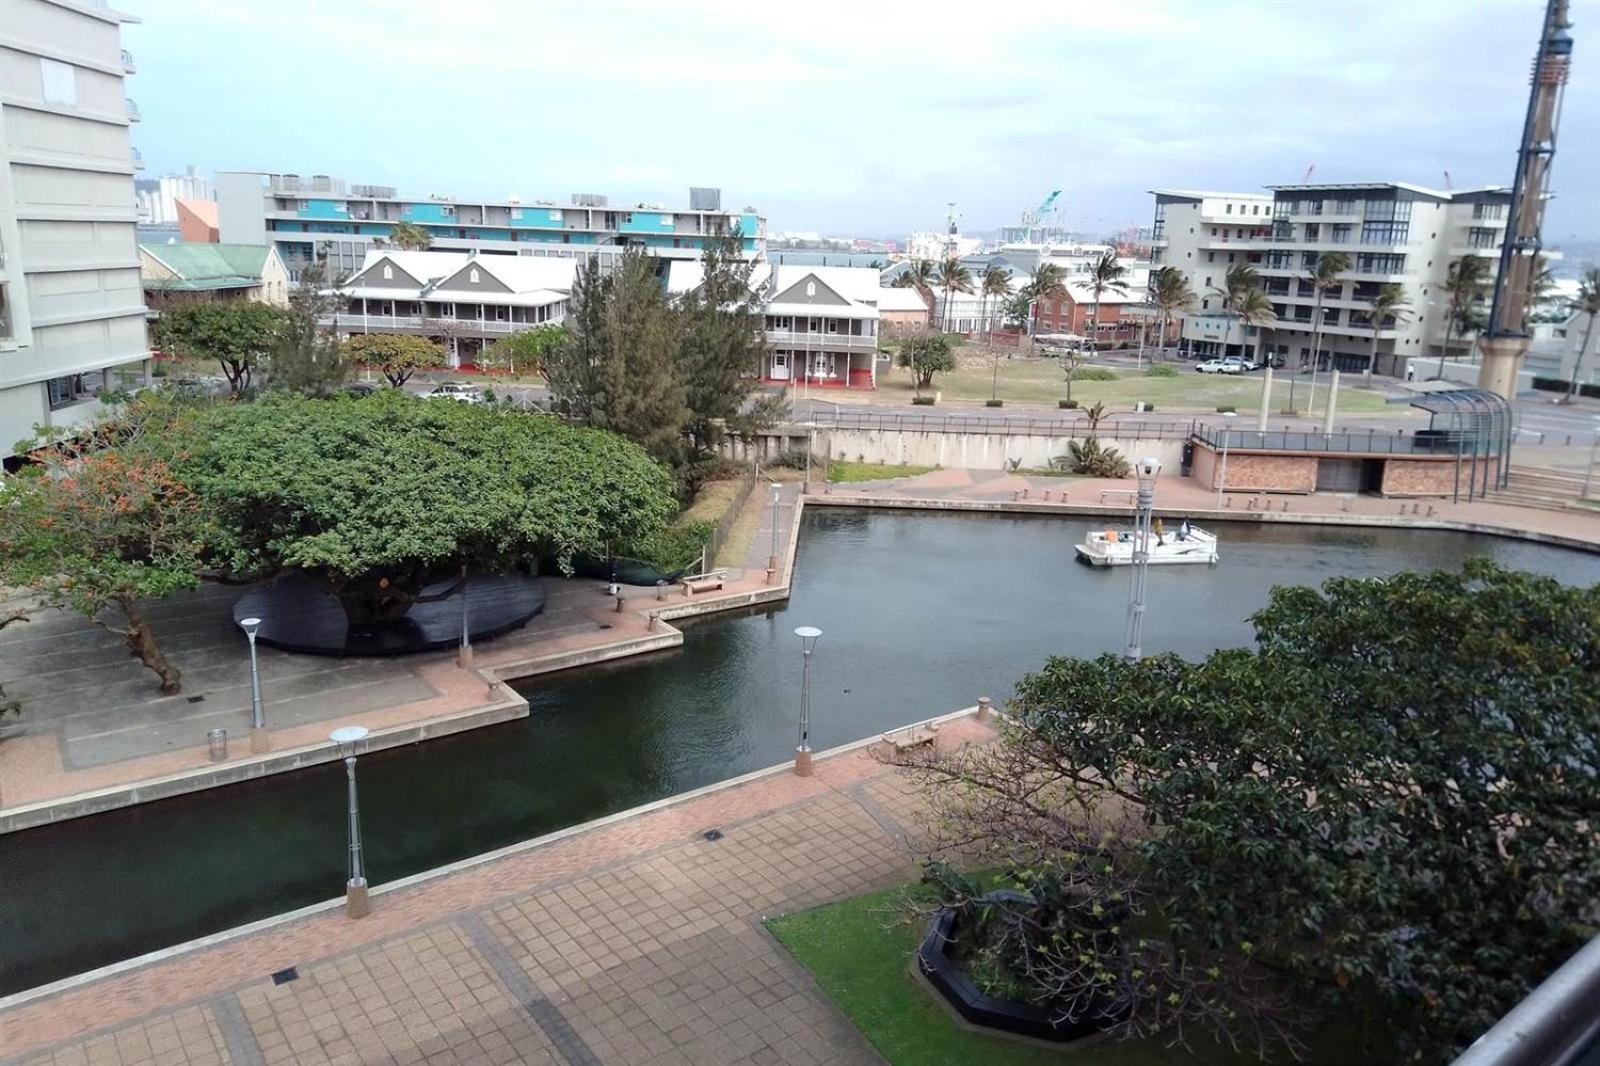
[1553,1026]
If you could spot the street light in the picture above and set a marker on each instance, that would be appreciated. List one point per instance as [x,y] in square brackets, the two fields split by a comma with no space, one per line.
[355,888]
[1146,469]
[464,654]
[809,635]
[260,739]
[1222,475]
[772,560]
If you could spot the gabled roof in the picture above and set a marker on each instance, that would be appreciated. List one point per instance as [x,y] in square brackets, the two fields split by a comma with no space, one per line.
[900,298]
[209,266]
[204,210]
[519,273]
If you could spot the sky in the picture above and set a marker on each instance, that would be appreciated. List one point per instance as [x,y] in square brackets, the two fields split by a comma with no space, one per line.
[862,117]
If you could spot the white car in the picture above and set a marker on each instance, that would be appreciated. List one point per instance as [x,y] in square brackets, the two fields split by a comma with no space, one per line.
[462,391]
[1221,366]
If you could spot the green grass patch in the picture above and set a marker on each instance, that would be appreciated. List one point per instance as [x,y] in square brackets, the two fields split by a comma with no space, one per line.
[842,472]
[860,954]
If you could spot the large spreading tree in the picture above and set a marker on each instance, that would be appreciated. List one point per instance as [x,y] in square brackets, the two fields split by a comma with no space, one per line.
[1388,805]
[396,356]
[239,334]
[384,496]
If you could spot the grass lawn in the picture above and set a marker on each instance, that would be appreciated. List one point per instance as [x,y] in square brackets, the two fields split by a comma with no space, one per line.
[862,962]
[841,472]
[1035,380]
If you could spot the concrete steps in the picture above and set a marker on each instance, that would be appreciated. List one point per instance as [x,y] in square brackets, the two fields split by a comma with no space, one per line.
[1542,488]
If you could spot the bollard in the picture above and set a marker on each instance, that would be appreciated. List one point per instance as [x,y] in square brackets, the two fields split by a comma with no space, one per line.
[1024,494]
[1227,501]
[655,620]
[619,603]
[1416,508]
[1046,495]
[1430,510]
[1402,508]
[1286,505]
[217,742]
[827,490]
[985,708]
[661,588]
[1346,504]
[1015,495]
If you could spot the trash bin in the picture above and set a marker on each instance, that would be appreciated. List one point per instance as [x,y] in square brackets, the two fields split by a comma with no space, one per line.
[217,741]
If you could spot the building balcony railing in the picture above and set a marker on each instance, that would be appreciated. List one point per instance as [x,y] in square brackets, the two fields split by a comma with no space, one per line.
[128,65]
[133,109]
[346,320]
[137,157]
[820,341]
[1371,442]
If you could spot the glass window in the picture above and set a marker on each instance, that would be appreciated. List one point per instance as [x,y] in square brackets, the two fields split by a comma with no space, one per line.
[1230,209]
[60,81]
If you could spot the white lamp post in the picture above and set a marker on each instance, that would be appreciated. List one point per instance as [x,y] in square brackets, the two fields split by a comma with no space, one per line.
[809,635]
[355,889]
[1222,475]
[260,739]
[772,560]
[1146,469]
[464,653]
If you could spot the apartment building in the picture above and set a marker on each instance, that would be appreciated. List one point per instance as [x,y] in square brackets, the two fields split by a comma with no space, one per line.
[72,315]
[1393,232]
[324,219]
[462,299]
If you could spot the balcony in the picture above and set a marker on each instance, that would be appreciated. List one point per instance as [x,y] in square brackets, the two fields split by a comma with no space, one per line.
[133,109]
[128,65]
[137,157]
[821,342]
[467,327]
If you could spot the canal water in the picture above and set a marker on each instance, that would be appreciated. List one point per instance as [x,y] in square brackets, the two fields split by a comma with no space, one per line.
[920,614]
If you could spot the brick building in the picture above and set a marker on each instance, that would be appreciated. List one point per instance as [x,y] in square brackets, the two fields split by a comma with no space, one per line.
[1075,313]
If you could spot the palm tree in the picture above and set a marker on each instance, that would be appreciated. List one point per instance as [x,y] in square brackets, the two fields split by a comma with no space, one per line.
[1541,283]
[1587,301]
[408,236]
[1049,283]
[954,277]
[1464,283]
[1253,308]
[1390,303]
[1107,275]
[1324,278]
[919,275]
[996,281]
[1170,293]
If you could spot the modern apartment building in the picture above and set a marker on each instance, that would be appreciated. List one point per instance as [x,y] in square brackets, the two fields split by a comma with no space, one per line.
[72,315]
[158,197]
[1393,232]
[325,219]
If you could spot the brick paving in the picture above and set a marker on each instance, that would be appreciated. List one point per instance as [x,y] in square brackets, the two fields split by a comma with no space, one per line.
[633,941]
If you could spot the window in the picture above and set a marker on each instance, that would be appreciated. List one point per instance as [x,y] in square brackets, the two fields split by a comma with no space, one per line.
[1385,232]
[1340,233]
[1388,211]
[74,388]
[1372,263]
[1208,281]
[1489,211]
[1313,231]
[1255,209]
[1308,260]
[1211,257]
[1230,209]
[388,272]
[472,275]
[1483,237]
[60,81]
[1344,207]
[1205,305]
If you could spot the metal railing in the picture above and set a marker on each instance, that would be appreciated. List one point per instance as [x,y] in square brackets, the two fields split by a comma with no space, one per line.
[403,322]
[128,66]
[133,109]
[1067,424]
[1373,441]
[719,535]
[820,341]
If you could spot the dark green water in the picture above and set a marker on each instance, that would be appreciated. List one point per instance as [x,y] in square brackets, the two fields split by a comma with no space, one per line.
[921,614]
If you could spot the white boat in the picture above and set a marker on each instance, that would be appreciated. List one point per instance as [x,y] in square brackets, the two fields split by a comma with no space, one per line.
[1114,547]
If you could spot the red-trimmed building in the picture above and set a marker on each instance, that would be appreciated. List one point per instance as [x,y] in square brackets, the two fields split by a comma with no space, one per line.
[1072,314]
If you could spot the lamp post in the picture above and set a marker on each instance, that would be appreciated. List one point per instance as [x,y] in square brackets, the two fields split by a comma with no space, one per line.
[809,635]
[1222,475]
[1146,469]
[355,888]
[260,739]
[464,653]
[772,560]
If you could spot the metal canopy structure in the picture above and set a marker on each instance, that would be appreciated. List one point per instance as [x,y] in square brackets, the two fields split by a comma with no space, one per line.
[1476,423]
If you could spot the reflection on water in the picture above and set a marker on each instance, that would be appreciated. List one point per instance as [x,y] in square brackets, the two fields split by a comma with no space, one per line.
[921,614]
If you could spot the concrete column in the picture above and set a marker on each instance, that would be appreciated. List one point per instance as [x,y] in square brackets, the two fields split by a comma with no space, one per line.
[1266,399]
[802,762]
[260,741]
[356,904]
[985,708]
[1332,403]
[1502,361]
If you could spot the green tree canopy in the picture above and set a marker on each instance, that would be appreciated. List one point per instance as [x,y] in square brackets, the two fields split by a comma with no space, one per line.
[308,358]
[722,345]
[1390,800]
[238,334]
[384,495]
[524,352]
[395,355]
[408,236]
[926,356]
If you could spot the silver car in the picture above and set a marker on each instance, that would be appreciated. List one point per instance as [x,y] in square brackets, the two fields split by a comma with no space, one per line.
[463,391]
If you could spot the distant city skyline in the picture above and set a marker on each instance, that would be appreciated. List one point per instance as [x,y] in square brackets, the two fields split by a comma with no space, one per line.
[860,120]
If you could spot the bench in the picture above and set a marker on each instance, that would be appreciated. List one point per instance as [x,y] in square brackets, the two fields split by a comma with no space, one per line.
[916,736]
[706,582]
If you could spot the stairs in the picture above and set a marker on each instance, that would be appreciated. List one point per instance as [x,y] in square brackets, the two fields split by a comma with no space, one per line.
[1544,488]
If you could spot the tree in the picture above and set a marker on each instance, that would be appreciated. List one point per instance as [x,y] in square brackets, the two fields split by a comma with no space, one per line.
[239,334]
[100,533]
[1170,293]
[954,277]
[1255,311]
[1106,275]
[1073,360]
[1388,801]
[1388,309]
[640,392]
[920,274]
[410,237]
[926,356]
[573,369]
[1541,284]
[1049,283]
[1586,302]
[447,334]
[722,346]
[1465,283]
[526,351]
[1324,278]
[996,281]
[387,495]
[308,358]
[394,355]
[1017,309]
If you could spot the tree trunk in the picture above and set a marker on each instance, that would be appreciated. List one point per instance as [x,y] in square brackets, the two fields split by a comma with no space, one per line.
[142,645]
[1316,350]
[1161,343]
[1577,364]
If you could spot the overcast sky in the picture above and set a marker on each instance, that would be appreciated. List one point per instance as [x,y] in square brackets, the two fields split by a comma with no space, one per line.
[861,117]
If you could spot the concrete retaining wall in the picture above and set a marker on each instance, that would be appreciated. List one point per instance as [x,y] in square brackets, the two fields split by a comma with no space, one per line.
[972,451]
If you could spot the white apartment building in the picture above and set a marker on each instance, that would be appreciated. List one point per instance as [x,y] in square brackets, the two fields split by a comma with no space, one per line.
[158,198]
[1393,232]
[72,315]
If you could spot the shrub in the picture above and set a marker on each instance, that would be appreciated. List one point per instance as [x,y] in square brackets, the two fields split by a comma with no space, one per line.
[1558,385]
[158,370]
[1161,371]
[1093,459]
[1095,373]
[994,403]
[1066,405]
[922,401]
[1227,409]
[672,548]
[793,459]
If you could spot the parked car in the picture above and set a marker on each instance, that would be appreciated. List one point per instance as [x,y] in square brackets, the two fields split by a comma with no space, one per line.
[361,389]
[463,391]
[1245,363]
[1221,366]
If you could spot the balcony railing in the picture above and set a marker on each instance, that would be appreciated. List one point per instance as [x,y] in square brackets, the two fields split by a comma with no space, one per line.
[128,66]
[1372,442]
[137,157]
[133,109]
[412,324]
[820,341]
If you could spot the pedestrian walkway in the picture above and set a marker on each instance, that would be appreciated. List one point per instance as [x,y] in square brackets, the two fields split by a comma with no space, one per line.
[636,941]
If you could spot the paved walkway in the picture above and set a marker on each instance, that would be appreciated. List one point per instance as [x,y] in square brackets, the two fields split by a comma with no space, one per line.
[93,718]
[637,941]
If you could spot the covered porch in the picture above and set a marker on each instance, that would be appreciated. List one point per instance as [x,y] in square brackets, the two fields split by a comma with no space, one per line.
[820,369]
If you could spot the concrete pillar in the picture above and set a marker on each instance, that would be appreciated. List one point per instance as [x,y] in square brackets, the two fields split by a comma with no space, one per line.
[356,904]
[985,708]
[260,741]
[1502,360]
[464,656]
[802,762]
[1266,399]
[1332,403]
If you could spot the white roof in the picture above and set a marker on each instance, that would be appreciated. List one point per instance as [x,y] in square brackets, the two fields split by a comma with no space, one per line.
[856,284]
[686,275]
[520,273]
[895,298]
[1197,194]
